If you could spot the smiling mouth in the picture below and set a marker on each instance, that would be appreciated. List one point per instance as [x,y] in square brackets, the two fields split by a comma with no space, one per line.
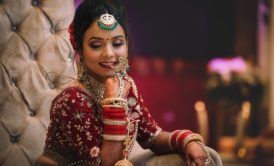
[109,65]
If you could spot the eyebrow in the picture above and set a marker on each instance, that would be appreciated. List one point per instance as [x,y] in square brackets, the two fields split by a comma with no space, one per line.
[99,38]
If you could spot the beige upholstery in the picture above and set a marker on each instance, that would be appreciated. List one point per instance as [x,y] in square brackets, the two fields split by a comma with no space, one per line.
[35,58]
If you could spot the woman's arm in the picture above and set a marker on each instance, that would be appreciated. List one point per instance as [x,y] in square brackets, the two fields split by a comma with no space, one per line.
[112,150]
[161,144]
[192,152]
[176,142]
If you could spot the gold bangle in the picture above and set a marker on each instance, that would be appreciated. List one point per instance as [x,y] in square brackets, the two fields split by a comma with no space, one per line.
[116,102]
[114,98]
[114,122]
[192,137]
[114,137]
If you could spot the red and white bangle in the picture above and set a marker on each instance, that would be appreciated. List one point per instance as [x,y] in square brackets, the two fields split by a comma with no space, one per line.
[115,123]
[180,138]
[115,132]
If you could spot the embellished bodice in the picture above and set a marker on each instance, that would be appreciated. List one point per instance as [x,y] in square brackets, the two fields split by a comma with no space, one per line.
[76,126]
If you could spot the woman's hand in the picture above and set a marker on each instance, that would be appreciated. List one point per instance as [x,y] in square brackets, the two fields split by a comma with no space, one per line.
[195,154]
[112,86]
[111,150]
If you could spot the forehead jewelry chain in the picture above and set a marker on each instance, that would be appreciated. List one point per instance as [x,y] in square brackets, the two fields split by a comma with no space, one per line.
[107,22]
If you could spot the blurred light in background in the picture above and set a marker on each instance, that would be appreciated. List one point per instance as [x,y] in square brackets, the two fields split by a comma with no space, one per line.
[225,66]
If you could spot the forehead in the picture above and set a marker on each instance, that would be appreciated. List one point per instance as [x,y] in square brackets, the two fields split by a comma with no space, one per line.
[94,30]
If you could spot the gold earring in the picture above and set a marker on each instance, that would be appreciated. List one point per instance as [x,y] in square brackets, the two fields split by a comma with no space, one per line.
[81,68]
[125,67]
[120,59]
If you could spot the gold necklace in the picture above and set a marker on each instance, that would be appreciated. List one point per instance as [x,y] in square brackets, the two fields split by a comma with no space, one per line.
[94,87]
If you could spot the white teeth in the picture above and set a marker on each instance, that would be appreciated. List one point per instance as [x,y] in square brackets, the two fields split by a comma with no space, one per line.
[108,64]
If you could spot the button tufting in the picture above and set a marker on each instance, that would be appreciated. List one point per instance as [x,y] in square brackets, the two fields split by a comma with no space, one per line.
[14,28]
[32,113]
[51,86]
[14,138]
[52,30]
[13,82]
[35,3]
[32,57]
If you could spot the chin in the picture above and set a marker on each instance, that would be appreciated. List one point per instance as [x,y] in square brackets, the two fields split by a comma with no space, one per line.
[103,75]
[107,75]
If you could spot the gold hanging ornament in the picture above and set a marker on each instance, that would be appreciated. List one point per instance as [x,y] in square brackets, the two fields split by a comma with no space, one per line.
[125,161]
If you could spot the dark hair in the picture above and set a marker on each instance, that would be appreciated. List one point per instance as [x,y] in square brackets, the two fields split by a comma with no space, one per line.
[90,10]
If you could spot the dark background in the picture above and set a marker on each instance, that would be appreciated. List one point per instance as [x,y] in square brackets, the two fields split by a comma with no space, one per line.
[182,28]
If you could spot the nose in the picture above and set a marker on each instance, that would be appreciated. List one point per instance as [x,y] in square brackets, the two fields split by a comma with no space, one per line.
[108,51]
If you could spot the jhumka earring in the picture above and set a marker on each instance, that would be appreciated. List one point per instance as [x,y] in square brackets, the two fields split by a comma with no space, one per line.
[123,71]
[80,68]
[107,22]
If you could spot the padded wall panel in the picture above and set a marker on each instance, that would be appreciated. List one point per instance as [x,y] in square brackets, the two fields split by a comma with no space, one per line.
[35,64]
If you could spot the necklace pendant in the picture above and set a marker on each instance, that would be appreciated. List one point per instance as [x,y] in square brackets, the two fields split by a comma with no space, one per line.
[123,162]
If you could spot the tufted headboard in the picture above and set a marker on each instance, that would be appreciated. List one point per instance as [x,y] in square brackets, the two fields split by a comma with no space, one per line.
[35,64]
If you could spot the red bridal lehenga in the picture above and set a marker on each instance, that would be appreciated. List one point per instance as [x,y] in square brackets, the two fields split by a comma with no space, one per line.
[75,133]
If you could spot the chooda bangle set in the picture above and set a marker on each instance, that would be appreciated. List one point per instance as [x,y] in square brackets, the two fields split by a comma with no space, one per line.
[114,119]
[180,138]
[116,125]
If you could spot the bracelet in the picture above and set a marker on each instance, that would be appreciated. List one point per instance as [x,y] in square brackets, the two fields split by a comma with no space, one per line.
[114,101]
[192,137]
[114,122]
[113,110]
[112,106]
[208,160]
[115,129]
[113,113]
[172,138]
[114,98]
[176,139]
[114,137]
[182,136]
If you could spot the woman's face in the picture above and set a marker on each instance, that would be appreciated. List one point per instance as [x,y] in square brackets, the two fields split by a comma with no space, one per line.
[102,49]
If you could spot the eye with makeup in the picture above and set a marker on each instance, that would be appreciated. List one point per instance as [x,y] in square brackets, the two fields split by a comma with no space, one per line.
[95,45]
[118,43]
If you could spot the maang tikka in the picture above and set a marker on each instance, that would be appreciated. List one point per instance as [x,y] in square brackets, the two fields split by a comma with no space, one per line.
[107,22]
